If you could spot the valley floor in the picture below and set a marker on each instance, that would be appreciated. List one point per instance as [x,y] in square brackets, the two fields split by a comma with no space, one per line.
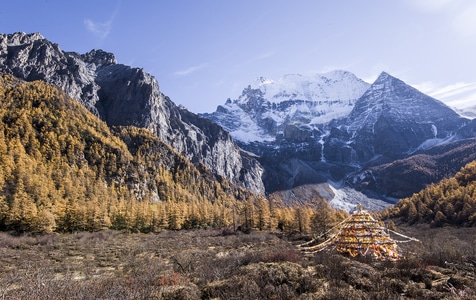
[220,264]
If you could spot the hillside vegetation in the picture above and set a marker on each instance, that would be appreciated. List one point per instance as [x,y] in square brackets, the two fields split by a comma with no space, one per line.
[208,264]
[452,201]
[62,169]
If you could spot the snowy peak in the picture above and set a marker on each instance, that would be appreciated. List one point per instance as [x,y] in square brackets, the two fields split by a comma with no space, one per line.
[394,119]
[391,96]
[335,85]
[384,77]
[267,108]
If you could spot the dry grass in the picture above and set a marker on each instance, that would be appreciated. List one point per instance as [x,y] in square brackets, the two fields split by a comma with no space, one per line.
[207,264]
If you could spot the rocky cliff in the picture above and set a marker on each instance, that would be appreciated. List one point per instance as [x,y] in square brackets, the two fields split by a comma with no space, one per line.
[122,95]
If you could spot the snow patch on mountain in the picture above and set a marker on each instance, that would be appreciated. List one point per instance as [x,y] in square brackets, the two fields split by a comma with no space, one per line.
[429,143]
[348,199]
[469,112]
[240,125]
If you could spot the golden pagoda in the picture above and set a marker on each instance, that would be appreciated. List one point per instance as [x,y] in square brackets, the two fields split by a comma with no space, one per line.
[359,234]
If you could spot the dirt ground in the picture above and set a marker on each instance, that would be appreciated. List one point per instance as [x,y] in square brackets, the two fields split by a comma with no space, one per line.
[221,264]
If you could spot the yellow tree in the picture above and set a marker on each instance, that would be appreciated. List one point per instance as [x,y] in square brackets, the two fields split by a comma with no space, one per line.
[301,218]
[97,215]
[205,214]
[176,215]
[45,221]
[163,219]
[193,216]
[273,215]
[130,214]
[263,214]
[23,210]
[248,212]
[117,214]
[3,161]
[4,210]
[322,218]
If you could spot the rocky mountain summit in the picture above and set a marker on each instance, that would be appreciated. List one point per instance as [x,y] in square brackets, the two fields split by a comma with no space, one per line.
[331,132]
[392,120]
[122,95]
[270,110]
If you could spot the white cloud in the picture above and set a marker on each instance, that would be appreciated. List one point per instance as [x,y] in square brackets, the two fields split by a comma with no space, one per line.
[459,95]
[455,89]
[100,30]
[190,70]
[263,56]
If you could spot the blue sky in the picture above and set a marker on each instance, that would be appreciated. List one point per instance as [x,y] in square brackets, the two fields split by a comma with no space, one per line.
[205,51]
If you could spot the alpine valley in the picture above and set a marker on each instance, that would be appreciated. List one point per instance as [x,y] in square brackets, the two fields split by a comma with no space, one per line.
[335,136]
[330,136]
[109,190]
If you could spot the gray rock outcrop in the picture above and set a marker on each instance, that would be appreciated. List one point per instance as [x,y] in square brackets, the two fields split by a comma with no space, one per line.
[122,95]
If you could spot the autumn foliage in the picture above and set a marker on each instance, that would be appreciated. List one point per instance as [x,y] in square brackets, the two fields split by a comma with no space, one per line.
[452,201]
[63,169]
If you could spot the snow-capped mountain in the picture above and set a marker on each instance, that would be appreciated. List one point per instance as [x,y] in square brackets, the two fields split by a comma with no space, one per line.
[394,119]
[325,131]
[266,108]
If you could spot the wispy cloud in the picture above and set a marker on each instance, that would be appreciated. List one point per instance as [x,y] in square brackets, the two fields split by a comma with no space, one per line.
[101,29]
[454,89]
[190,70]
[264,55]
[460,95]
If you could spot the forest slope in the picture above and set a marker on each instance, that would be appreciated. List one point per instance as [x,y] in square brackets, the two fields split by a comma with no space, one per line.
[63,169]
[452,201]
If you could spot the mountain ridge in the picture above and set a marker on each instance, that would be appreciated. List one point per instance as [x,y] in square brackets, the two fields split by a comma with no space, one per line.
[123,95]
[63,169]
[398,118]
[389,120]
[324,131]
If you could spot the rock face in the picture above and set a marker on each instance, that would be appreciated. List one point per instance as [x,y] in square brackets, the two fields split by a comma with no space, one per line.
[32,57]
[393,119]
[335,128]
[122,95]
